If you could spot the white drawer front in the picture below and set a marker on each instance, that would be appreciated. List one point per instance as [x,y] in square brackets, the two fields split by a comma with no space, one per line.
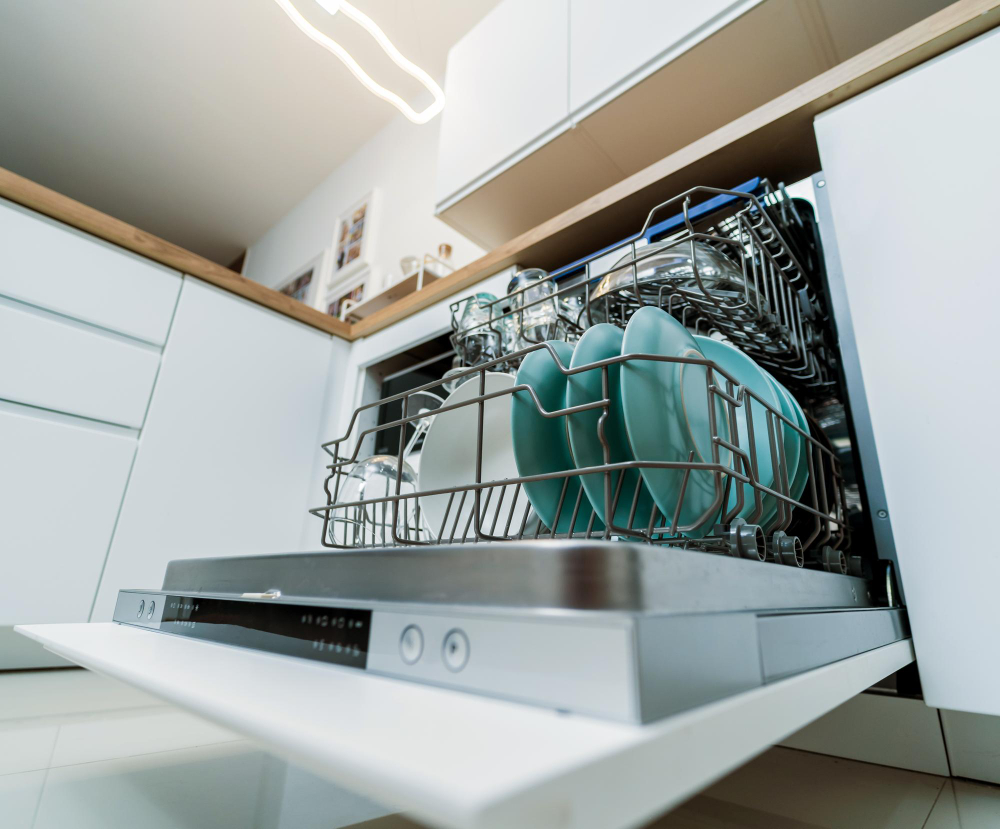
[48,264]
[61,484]
[59,364]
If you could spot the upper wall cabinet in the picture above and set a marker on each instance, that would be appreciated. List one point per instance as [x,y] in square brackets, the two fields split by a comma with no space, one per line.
[529,70]
[550,103]
[506,86]
[614,45]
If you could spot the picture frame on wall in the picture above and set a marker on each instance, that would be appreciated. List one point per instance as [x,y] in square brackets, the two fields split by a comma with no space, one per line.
[346,294]
[308,282]
[353,240]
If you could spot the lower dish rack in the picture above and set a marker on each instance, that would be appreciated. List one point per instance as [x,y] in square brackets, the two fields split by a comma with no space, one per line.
[810,530]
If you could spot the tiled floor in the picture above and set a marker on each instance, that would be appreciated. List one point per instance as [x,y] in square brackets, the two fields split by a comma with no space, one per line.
[78,751]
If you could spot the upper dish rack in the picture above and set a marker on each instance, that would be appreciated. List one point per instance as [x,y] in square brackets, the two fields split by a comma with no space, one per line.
[763,298]
[812,530]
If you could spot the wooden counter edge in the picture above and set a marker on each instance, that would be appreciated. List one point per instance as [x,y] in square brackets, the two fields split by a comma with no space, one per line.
[27,193]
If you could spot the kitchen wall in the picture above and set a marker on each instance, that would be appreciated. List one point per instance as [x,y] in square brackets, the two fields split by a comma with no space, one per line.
[401,161]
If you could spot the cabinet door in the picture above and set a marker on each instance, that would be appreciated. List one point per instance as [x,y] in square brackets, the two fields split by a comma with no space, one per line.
[225,463]
[506,85]
[614,45]
[911,170]
[53,266]
[49,361]
[61,484]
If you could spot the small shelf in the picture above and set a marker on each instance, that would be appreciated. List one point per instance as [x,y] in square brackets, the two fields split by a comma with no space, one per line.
[395,292]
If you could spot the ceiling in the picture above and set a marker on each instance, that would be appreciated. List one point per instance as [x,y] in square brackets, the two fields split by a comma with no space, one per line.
[201,121]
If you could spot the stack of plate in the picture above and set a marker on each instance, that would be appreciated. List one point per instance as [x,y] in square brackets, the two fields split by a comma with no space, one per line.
[660,412]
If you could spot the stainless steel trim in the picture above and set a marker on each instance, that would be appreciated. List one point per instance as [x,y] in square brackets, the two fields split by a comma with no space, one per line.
[871,471]
[541,575]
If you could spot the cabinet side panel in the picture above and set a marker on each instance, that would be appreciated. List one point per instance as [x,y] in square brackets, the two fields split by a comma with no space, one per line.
[225,457]
[911,169]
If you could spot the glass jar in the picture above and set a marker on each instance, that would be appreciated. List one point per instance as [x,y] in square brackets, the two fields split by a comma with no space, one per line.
[534,318]
[480,339]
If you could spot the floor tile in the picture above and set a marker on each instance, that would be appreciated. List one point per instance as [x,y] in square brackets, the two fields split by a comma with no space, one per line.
[879,728]
[58,692]
[212,787]
[966,805]
[788,789]
[129,733]
[19,798]
[973,745]
[26,745]
[310,802]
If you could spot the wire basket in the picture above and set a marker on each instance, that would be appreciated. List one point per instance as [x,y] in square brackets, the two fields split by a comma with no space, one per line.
[767,303]
[811,530]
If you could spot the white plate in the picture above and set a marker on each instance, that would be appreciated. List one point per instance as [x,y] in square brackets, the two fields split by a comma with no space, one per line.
[448,459]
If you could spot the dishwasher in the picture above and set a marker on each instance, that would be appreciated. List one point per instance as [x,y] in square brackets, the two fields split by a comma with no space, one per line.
[770,558]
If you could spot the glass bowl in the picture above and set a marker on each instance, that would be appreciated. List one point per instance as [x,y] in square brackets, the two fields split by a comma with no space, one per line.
[370,525]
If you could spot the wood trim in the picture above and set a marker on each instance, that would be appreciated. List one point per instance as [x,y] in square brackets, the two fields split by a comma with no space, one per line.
[29,194]
[777,134]
[714,159]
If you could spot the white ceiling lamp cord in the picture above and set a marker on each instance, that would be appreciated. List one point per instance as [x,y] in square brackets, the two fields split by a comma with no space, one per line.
[369,25]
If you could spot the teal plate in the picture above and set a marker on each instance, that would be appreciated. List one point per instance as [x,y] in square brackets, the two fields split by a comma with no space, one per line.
[540,443]
[749,374]
[667,418]
[601,342]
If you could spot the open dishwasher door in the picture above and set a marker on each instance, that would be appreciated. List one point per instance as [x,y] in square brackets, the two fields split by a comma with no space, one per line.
[502,684]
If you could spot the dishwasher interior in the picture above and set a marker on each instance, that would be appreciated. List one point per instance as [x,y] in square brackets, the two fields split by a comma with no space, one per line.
[507,517]
[780,311]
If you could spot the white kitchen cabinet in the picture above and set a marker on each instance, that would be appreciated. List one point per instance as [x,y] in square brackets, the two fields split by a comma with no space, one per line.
[506,86]
[615,45]
[911,169]
[226,454]
[61,483]
[46,263]
[56,363]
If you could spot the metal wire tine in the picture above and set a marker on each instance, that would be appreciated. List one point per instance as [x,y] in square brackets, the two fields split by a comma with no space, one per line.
[652,521]
[817,527]
[713,426]
[783,483]
[480,535]
[680,499]
[524,519]
[559,507]
[468,523]
[496,512]
[444,521]
[635,500]
[458,516]
[609,524]
[737,397]
[382,533]
[824,505]
[576,512]
[513,507]
[772,440]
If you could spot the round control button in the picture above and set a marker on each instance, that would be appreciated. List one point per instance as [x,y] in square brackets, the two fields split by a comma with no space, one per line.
[142,607]
[152,607]
[411,644]
[455,650]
